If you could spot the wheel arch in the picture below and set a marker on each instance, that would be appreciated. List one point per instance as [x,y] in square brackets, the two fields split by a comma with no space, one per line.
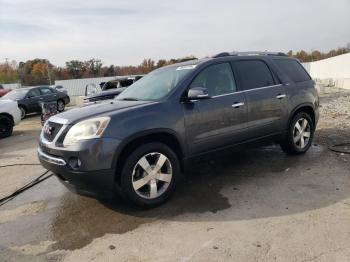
[166,136]
[307,108]
[23,106]
[9,116]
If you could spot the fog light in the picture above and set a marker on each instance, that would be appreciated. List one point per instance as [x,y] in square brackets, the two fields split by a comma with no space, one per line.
[74,162]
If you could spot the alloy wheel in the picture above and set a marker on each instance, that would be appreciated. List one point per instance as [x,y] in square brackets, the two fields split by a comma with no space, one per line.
[23,112]
[60,106]
[301,133]
[152,175]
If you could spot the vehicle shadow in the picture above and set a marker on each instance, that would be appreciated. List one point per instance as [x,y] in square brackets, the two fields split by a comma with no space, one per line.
[256,183]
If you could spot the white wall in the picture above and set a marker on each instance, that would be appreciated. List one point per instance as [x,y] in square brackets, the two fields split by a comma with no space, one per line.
[336,68]
[11,86]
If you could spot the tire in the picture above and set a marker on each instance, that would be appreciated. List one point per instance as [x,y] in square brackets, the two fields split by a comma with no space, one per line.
[137,185]
[299,137]
[6,126]
[23,112]
[60,105]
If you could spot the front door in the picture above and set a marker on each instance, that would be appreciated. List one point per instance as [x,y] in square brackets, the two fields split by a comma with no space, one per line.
[33,97]
[220,120]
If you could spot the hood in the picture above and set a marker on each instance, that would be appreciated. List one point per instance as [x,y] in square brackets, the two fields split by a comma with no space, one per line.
[103,109]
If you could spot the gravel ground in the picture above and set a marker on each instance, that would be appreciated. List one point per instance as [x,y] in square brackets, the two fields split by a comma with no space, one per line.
[256,205]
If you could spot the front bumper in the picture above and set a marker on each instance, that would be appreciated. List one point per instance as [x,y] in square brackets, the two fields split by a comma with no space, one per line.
[95,174]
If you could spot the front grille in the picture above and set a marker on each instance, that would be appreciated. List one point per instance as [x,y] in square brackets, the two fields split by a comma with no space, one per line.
[51,130]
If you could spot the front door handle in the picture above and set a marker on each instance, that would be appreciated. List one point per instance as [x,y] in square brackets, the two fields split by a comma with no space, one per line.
[281,96]
[238,104]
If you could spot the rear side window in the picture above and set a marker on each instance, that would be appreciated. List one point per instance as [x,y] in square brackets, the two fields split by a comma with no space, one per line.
[293,69]
[253,74]
[45,91]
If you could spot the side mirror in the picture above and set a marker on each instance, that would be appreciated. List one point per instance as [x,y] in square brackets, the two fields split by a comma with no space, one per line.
[197,93]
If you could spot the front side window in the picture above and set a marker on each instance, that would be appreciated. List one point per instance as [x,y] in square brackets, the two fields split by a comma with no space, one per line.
[253,74]
[218,79]
[34,93]
[157,84]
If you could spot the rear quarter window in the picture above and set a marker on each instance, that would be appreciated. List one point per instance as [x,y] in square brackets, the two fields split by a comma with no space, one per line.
[294,70]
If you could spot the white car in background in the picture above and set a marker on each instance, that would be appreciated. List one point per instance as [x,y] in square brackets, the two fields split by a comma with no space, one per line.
[10,115]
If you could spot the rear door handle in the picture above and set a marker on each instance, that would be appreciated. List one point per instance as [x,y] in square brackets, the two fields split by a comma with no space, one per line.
[238,104]
[281,96]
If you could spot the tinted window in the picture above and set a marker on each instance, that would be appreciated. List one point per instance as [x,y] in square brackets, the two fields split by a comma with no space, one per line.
[110,85]
[253,74]
[34,92]
[45,91]
[218,79]
[293,69]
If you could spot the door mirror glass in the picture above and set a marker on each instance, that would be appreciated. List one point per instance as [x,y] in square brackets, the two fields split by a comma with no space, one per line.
[197,93]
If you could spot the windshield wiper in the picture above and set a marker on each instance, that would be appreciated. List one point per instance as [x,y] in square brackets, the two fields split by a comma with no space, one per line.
[129,99]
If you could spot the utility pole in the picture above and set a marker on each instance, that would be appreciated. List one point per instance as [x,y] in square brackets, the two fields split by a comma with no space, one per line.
[48,72]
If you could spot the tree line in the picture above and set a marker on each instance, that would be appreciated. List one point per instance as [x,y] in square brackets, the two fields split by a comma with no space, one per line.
[316,55]
[41,71]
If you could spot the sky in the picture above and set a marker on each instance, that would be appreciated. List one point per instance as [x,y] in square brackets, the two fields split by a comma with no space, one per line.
[124,32]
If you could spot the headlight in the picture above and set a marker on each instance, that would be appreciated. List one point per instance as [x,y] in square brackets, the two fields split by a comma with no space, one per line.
[87,129]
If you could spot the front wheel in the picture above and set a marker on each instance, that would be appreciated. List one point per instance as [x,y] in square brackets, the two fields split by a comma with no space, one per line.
[149,174]
[60,106]
[6,126]
[23,112]
[299,135]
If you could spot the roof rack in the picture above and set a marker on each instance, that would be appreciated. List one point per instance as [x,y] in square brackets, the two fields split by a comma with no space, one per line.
[253,53]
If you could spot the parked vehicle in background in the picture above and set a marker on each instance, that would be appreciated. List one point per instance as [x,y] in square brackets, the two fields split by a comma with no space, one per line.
[111,89]
[138,144]
[3,91]
[60,89]
[10,115]
[29,98]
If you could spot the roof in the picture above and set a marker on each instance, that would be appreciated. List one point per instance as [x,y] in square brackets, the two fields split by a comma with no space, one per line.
[250,53]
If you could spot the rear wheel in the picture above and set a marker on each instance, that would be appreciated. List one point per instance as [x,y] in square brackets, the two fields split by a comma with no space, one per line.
[6,126]
[60,106]
[149,174]
[299,135]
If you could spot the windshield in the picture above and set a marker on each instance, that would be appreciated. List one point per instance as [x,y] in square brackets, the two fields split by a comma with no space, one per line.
[16,94]
[156,84]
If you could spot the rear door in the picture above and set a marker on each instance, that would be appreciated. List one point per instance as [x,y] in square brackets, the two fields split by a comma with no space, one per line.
[218,121]
[48,94]
[265,96]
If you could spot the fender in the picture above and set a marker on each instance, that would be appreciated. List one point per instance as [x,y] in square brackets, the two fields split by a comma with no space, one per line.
[292,112]
[145,133]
